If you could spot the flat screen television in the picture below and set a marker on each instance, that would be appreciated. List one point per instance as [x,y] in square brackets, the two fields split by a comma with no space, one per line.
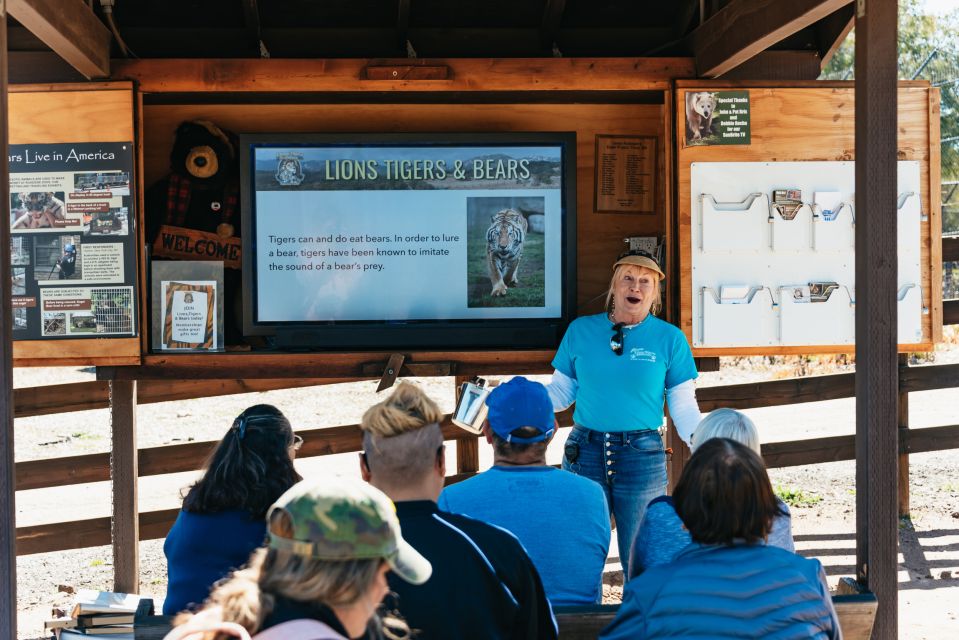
[409,241]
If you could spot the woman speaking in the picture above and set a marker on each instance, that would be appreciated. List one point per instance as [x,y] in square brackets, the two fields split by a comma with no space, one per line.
[617,367]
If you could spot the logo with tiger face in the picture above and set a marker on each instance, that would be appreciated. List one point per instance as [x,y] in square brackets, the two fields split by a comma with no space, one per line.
[504,248]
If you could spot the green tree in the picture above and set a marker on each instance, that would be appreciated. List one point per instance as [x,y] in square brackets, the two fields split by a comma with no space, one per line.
[928,50]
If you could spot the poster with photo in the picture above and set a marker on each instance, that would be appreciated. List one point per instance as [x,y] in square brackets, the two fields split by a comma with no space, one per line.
[94,311]
[72,238]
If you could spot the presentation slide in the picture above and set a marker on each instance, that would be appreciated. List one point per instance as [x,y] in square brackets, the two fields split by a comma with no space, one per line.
[402,233]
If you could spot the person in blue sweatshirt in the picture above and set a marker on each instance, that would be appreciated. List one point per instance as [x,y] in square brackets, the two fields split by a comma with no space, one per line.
[223,518]
[727,583]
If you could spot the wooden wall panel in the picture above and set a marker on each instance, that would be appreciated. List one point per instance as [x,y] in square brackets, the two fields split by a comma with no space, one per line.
[71,113]
[813,124]
[89,112]
[600,236]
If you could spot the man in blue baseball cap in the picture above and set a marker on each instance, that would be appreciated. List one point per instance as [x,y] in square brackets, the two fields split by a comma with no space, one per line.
[562,519]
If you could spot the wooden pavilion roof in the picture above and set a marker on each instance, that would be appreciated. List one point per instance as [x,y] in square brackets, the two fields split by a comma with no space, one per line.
[718,34]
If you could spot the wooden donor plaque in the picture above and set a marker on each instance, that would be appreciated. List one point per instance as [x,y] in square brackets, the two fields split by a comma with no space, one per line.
[190,244]
[625,174]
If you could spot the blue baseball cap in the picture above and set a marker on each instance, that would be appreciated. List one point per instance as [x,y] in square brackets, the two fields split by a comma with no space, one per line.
[520,403]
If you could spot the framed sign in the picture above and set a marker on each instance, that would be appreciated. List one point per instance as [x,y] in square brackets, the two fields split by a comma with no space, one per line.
[625,180]
[187,305]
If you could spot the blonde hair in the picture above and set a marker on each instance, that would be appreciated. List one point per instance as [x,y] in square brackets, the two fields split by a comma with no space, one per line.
[248,596]
[727,423]
[407,409]
[657,305]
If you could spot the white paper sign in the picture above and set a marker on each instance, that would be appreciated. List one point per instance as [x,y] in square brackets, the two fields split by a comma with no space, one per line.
[189,316]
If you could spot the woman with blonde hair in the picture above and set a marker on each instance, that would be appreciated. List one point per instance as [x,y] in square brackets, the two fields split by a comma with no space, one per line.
[618,367]
[321,575]
[661,534]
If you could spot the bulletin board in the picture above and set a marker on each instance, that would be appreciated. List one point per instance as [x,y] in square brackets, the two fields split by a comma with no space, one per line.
[74,231]
[731,233]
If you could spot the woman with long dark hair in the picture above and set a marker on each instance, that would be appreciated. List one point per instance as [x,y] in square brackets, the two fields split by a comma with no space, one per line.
[223,518]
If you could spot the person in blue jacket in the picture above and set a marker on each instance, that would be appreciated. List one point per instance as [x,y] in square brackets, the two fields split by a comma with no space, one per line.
[727,583]
[618,367]
[223,518]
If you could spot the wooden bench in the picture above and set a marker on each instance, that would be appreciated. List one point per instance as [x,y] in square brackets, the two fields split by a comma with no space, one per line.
[856,615]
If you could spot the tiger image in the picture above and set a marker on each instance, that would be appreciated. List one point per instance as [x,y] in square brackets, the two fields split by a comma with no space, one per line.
[504,248]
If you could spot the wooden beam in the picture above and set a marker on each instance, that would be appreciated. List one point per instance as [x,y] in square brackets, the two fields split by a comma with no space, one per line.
[903,413]
[778,65]
[333,365]
[124,475]
[877,372]
[832,31]
[8,510]
[482,74]
[71,29]
[744,28]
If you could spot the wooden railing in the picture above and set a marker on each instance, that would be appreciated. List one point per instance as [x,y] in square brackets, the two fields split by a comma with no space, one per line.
[54,472]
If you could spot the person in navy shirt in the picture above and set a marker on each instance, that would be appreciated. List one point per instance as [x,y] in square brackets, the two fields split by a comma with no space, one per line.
[618,367]
[223,516]
[529,498]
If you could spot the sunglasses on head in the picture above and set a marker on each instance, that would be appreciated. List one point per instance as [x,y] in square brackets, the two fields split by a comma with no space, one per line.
[616,342]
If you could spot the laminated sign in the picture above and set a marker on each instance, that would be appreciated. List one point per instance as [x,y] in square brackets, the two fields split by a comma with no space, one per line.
[717,117]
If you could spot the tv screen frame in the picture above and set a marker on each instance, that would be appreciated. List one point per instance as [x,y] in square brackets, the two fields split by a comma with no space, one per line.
[436,334]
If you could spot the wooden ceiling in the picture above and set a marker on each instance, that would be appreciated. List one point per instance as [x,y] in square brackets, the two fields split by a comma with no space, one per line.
[728,33]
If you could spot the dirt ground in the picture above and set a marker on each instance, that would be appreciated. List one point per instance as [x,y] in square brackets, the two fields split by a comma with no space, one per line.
[822,496]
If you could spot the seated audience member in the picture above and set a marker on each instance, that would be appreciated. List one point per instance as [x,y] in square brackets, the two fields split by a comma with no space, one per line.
[222,519]
[321,575]
[529,498]
[483,584]
[728,583]
[661,535]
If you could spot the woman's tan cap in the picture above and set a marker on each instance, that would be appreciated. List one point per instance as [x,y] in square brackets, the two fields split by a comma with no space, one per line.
[640,259]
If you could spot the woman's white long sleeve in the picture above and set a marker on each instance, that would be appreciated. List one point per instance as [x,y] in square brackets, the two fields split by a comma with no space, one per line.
[683,409]
[562,390]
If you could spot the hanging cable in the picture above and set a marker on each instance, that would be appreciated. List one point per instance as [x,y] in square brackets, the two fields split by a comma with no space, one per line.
[107,7]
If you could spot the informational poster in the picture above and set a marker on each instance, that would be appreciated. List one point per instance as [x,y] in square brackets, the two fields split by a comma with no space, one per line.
[72,243]
[625,174]
[717,118]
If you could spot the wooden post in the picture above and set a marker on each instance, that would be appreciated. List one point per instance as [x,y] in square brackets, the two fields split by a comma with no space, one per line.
[8,512]
[467,449]
[877,374]
[123,475]
[903,437]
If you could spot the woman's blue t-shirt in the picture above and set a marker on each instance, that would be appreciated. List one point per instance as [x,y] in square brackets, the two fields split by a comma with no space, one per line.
[623,392]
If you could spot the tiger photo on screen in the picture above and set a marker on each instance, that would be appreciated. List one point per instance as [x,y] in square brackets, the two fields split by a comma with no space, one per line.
[505,239]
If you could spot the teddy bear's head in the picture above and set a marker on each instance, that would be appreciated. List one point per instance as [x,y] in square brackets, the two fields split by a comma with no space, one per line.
[204,152]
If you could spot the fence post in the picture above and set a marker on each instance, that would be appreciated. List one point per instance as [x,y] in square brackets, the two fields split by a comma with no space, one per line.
[903,454]
[467,449]
[124,472]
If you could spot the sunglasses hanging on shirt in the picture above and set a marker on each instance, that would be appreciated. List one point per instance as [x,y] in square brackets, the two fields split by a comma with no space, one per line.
[616,342]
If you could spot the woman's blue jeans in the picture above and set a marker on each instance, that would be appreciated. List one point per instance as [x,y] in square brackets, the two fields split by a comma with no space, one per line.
[630,466]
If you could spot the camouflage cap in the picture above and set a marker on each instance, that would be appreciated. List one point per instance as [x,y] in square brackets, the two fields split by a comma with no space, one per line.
[337,518]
